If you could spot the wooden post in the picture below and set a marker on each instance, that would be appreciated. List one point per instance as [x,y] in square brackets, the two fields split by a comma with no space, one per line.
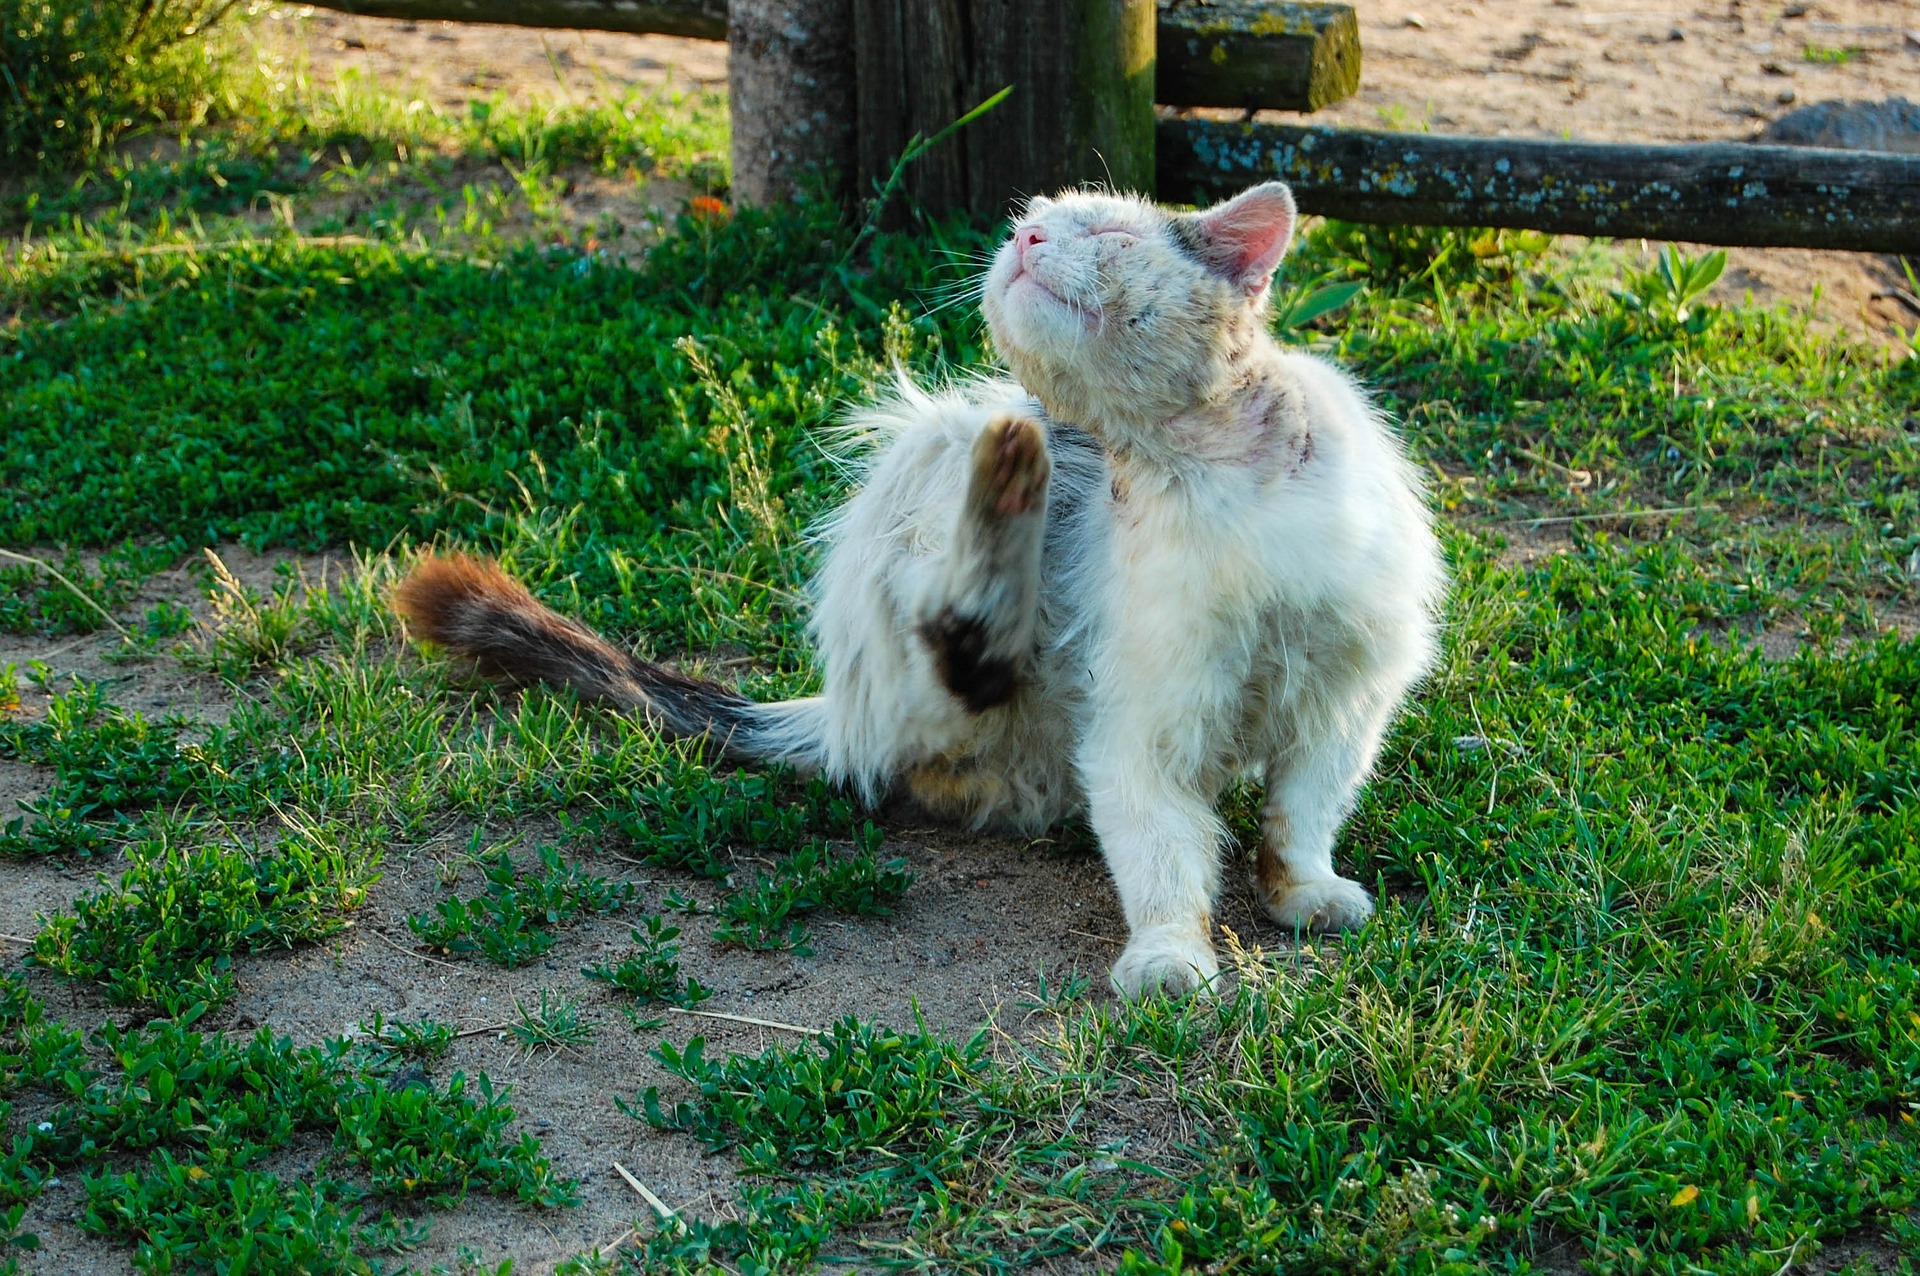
[1082,73]
[790,84]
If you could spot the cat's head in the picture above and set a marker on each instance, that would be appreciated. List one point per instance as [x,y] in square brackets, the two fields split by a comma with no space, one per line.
[1111,308]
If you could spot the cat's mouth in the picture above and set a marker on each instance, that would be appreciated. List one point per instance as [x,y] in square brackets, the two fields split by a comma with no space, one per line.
[1022,275]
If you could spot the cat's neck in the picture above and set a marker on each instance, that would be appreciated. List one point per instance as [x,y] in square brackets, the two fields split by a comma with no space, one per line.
[1247,412]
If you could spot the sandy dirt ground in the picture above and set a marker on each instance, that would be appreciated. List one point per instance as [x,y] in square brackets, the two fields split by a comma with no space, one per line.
[984,922]
[453,63]
[1597,70]
[1621,70]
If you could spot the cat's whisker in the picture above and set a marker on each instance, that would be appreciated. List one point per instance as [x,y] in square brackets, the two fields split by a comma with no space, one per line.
[958,293]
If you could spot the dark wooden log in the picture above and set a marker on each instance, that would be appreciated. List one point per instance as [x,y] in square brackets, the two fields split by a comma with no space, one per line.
[1728,193]
[791,92]
[1081,107]
[699,19]
[1257,53]
[1286,55]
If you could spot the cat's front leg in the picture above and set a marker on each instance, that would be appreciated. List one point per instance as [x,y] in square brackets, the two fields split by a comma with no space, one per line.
[1161,842]
[1310,789]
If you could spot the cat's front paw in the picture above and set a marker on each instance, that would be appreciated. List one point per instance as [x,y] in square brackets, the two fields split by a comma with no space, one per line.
[1171,959]
[1326,904]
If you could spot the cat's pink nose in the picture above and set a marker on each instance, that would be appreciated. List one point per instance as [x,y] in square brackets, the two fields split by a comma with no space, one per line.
[1025,238]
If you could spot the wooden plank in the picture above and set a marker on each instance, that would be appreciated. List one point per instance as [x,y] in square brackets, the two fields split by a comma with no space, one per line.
[1257,53]
[1716,193]
[1247,53]
[1081,108]
[699,19]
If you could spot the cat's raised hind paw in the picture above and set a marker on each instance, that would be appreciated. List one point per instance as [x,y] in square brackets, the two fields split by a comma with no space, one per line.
[1171,960]
[1324,904]
[1010,467]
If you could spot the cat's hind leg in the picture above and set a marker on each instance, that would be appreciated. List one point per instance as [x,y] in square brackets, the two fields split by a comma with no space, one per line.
[978,622]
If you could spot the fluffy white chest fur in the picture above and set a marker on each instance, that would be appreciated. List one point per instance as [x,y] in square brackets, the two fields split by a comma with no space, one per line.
[1167,556]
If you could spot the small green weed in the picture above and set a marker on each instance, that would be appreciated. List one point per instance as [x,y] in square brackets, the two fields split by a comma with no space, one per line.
[690,818]
[416,1141]
[862,1091]
[868,1124]
[1677,282]
[1829,55]
[166,620]
[553,1025]
[470,1262]
[33,1048]
[204,1110]
[425,1042]
[512,923]
[13,1241]
[107,763]
[767,912]
[250,630]
[652,974]
[186,1216]
[1301,306]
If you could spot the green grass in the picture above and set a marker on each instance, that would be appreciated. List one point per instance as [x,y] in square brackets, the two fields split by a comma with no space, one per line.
[553,1024]
[651,974]
[1642,994]
[166,934]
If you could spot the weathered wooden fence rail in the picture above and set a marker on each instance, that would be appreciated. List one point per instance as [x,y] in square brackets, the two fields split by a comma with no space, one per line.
[1730,193]
[698,19]
[1284,56]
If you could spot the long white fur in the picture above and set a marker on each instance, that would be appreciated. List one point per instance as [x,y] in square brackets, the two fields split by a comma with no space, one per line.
[1238,575]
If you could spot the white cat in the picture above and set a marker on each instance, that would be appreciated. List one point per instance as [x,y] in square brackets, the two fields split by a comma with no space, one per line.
[1171,555]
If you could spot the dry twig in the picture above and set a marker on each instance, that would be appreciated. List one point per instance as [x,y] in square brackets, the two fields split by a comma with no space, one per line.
[660,1207]
[399,947]
[1669,512]
[749,1019]
[72,588]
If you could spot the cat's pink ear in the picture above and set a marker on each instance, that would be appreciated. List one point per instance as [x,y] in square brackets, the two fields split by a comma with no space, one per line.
[1245,238]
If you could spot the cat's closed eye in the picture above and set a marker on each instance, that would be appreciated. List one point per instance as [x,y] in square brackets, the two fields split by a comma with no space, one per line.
[1126,236]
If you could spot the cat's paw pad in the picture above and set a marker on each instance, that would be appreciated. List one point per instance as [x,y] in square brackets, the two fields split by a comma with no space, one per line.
[1168,960]
[1326,904]
[1011,466]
